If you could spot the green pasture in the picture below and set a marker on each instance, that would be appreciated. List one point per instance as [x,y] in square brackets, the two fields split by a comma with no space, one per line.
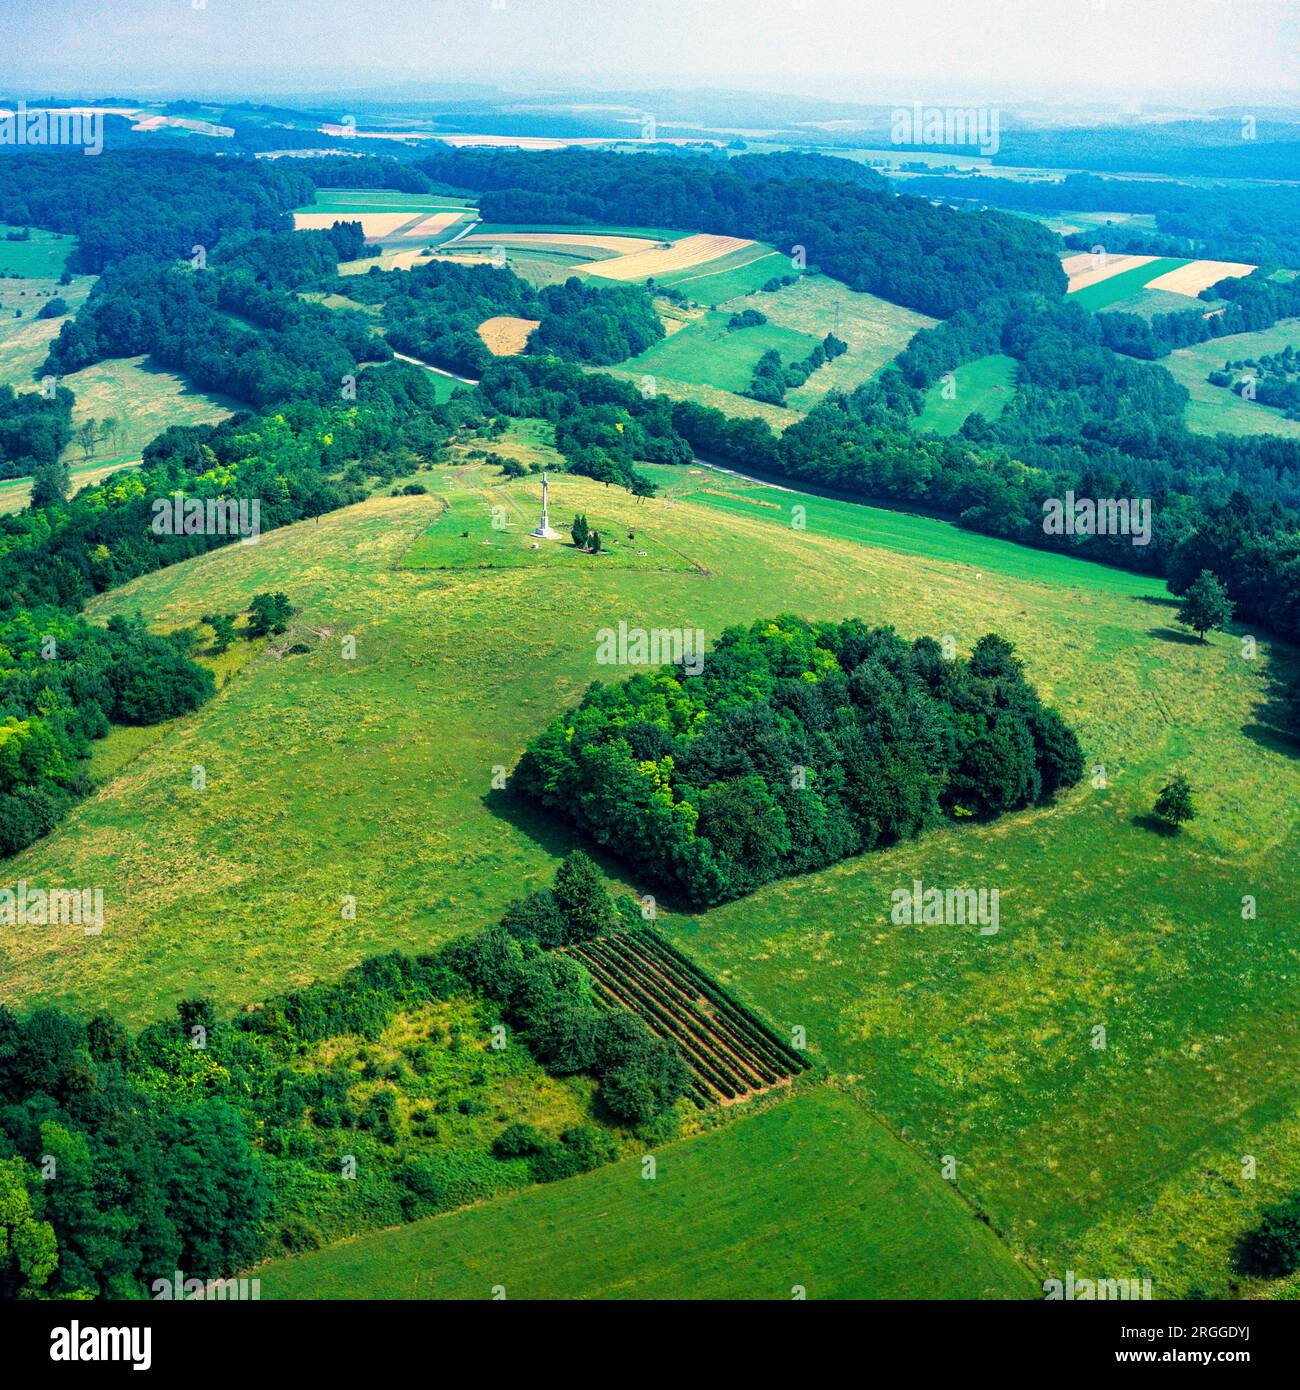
[371,774]
[44,255]
[986,385]
[809,1198]
[1215,409]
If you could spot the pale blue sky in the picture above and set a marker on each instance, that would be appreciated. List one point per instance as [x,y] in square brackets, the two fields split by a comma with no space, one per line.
[868,50]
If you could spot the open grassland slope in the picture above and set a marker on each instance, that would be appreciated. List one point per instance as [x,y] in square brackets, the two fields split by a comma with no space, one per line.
[372,776]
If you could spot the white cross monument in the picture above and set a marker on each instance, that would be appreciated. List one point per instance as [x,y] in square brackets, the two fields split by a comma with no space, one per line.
[544,531]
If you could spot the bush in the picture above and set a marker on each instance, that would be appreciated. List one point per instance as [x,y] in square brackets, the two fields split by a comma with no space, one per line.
[537,919]
[582,897]
[517,1141]
[1272,1249]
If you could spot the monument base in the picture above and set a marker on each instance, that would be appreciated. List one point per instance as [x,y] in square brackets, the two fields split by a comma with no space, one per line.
[545,533]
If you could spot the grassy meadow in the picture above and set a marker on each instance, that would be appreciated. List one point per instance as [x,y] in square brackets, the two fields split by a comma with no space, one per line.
[986,385]
[736,273]
[372,775]
[702,360]
[143,399]
[811,1193]
[24,339]
[42,256]
[1215,409]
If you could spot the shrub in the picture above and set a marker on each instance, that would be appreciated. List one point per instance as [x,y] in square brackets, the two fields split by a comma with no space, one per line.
[517,1141]
[1272,1249]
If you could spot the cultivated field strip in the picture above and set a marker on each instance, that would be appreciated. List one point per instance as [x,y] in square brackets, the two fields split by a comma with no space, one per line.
[730,1051]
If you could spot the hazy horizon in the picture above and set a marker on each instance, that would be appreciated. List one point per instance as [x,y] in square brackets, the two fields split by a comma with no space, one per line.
[1153,52]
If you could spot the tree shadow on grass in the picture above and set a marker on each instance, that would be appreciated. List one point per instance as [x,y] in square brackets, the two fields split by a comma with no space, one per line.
[558,838]
[1157,600]
[1147,821]
[1172,634]
[1271,725]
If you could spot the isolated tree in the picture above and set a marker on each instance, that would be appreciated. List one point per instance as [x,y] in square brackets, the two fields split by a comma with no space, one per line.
[50,484]
[593,542]
[87,437]
[223,633]
[580,531]
[1206,606]
[1174,804]
[268,612]
[583,898]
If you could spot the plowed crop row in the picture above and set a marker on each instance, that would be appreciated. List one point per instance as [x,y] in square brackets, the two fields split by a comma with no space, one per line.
[730,1051]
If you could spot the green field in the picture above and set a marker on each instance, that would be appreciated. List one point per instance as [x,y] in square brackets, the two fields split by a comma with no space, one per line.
[1071,221]
[372,776]
[25,341]
[739,272]
[144,399]
[811,1193]
[779,417]
[1110,294]
[1147,304]
[43,256]
[875,330]
[354,200]
[706,362]
[900,532]
[1214,409]
[708,353]
[487,526]
[986,385]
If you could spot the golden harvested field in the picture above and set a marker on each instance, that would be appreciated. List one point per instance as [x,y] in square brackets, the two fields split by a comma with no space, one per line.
[376,225]
[429,226]
[1084,269]
[505,336]
[1195,276]
[681,255]
[624,245]
[183,123]
[389,259]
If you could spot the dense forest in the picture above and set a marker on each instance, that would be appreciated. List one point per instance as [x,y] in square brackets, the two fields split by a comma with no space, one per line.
[201,1144]
[795,746]
[231,324]
[1259,224]
[161,204]
[34,429]
[433,312]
